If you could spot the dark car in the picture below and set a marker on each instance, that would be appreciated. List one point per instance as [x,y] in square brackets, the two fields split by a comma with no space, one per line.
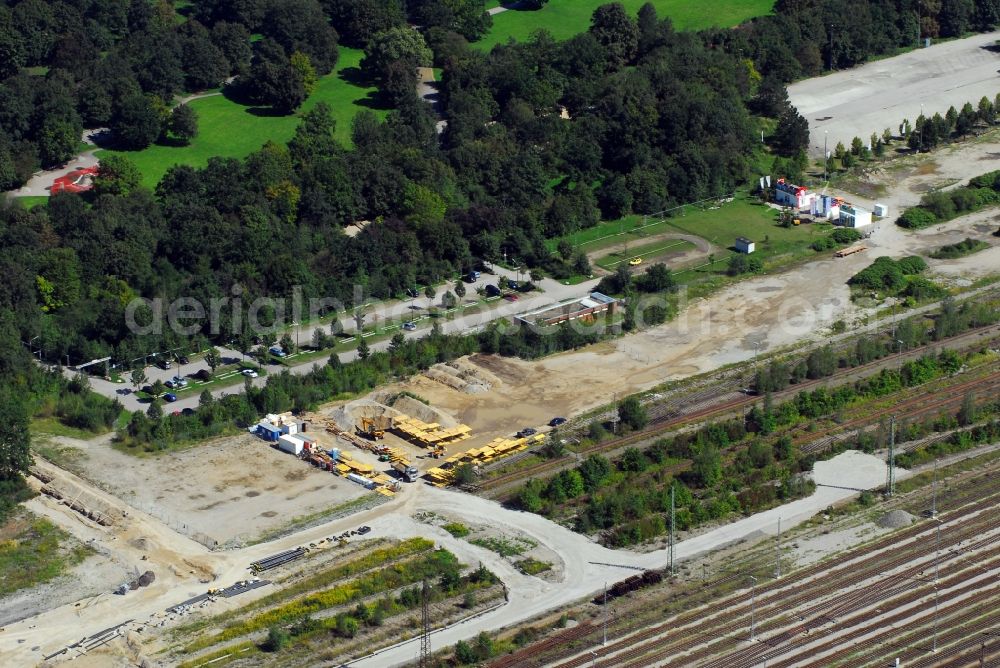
[513,285]
[164,364]
[527,431]
[187,411]
[203,374]
[555,422]
[182,359]
[170,396]
[363,530]
[492,291]
[412,292]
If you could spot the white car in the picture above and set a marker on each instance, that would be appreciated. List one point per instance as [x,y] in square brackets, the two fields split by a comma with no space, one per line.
[249,373]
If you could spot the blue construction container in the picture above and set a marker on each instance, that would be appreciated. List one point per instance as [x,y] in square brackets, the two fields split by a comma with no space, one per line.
[268,431]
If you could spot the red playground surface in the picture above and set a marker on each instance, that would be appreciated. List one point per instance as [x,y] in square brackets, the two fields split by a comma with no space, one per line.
[76,181]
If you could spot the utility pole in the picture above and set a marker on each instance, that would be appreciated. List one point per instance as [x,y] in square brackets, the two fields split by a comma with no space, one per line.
[937,564]
[777,553]
[673,527]
[934,497]
[831,47]
[753,608]
[890,481]
[605,643]
[425,638]
[614,414]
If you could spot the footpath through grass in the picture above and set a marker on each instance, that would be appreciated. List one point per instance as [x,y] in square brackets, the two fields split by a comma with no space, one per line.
[565,18]
[231,130]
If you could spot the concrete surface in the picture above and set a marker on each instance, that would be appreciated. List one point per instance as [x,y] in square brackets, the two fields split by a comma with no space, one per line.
[879,95]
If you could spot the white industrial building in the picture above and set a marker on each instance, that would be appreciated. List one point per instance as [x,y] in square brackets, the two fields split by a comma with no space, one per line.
[744,245]
[788,194]
[827,206]
[854,216]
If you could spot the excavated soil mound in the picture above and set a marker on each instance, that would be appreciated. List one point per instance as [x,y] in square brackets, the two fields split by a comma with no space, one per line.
[896,519]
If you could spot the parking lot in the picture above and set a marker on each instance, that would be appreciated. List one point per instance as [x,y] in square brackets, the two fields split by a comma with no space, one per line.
[879,95]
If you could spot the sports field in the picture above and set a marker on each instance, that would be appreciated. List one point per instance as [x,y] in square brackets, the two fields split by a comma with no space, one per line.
[231,130]
[565,18]
[648,253]
[717,224]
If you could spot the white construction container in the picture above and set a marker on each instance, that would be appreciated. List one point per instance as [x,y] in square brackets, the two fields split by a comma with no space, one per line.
[291,445]
[361,480]
[881,210]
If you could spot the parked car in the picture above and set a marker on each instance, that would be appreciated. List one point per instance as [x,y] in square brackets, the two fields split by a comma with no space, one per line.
[169,384]
[513,285]
[179,381]
[182,359]
[527,431]
[412,292]
[409,326]
[472,276]
[170,396]
[249,373]
[187,411]
[277,351]
[203,374]
[363,530]
[492,291]
[556,421]
[164,363]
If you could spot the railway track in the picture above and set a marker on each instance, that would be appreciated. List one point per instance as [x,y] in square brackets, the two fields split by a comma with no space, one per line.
[712,403]
[814,618]
[910,408]
[984,486]
[802,587]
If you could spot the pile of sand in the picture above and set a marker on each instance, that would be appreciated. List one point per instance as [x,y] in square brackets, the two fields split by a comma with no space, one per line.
[896,519]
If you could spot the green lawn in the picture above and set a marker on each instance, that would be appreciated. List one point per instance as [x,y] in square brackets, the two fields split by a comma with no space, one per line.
[745,218]
[565,18]
[52,426]
[31,201]
[228,129]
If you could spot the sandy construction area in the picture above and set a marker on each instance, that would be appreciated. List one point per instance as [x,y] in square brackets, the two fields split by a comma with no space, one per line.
[231,489]
[879,95]
[772,311]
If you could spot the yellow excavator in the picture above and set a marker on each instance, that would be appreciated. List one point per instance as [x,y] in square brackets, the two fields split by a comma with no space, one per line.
[372,429]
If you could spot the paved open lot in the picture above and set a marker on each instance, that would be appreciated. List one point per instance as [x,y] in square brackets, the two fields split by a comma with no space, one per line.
[879,95]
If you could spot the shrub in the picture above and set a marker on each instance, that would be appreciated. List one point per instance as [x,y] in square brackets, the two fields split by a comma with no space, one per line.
[276,639]
[744,264]
[916,218]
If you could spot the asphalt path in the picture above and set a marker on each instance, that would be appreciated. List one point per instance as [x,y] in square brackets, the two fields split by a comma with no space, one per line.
[381,314]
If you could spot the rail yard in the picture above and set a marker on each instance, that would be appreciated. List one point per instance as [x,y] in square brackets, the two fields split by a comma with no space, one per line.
[925,594]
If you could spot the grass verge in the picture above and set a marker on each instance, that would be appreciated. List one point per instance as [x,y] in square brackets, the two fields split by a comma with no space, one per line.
[33,551]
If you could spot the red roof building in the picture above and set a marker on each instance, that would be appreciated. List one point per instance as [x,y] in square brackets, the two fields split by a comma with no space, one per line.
[77,181]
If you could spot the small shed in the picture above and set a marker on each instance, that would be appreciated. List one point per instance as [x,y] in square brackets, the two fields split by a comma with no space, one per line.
[290,428]
[268,431]
[744,245]
[881,210]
